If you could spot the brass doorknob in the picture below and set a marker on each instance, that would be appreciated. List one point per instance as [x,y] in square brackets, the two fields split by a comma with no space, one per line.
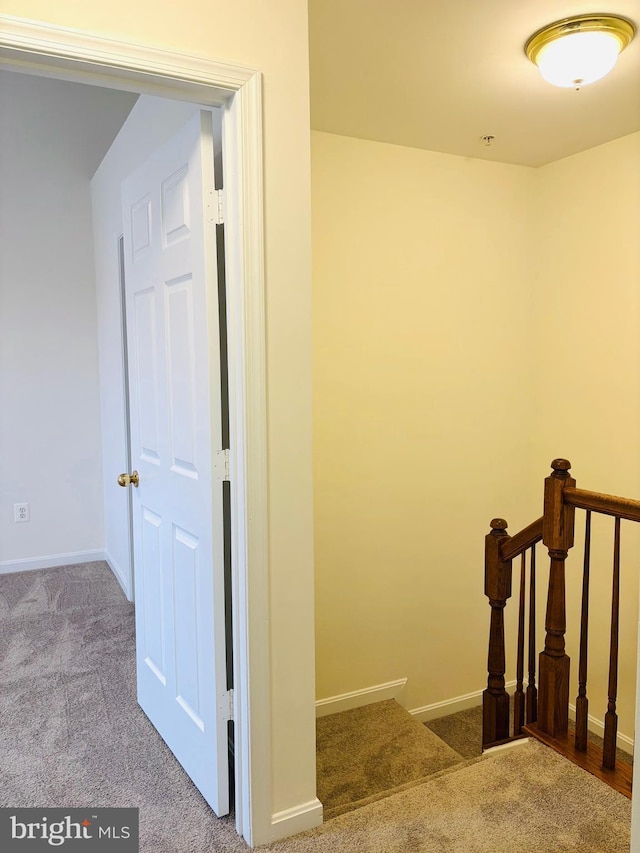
[129,479]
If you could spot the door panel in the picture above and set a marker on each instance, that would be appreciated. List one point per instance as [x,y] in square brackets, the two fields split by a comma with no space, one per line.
[144,329]
[175,391]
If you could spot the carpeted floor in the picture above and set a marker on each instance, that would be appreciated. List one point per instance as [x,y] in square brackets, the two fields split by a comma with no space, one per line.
[71,731]
[370,752]
[72,734]
[526,798]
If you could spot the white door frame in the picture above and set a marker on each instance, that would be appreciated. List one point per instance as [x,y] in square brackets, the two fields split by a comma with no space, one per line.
[40,49]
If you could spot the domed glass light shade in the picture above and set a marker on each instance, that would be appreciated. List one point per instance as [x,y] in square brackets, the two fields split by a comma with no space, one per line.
[577,51]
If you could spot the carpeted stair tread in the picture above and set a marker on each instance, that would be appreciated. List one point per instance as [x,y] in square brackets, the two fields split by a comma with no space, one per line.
[462,731]
[331,813]
[366,753]
[526,798]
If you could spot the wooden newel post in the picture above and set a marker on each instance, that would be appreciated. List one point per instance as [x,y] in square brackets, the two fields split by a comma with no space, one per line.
[497,588]
[557,535]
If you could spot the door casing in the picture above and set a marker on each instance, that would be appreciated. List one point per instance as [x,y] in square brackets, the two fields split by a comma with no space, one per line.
[69,55]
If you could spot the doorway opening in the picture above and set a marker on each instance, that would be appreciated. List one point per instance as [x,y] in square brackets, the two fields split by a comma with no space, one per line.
[82,121]
[81,58]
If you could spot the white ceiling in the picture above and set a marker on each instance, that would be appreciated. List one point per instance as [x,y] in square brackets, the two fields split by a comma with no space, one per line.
[83,120]
[440,74]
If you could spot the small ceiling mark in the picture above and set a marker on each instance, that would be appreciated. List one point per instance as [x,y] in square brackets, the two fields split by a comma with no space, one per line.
[488,139]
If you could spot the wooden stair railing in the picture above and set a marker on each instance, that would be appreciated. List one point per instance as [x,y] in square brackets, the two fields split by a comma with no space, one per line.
[500,550]
[543,710]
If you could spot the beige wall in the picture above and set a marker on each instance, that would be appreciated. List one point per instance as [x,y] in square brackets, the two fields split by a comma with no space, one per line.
[272,37]
[472,321]
[422,377]
[587,297]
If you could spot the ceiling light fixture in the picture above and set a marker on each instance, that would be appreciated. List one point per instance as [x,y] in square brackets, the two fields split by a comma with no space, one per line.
[579,50]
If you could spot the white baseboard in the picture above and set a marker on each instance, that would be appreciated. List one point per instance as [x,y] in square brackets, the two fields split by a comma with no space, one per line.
[358,698]
[597,726]
[300,818]
[121,577]
[32,563]
[451,706]
[523,741]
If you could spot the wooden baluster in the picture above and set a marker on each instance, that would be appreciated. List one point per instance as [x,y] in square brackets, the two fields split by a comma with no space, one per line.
[611,718]
[582,703]
[557,535]
[518,699]
[532,691]
[497,588]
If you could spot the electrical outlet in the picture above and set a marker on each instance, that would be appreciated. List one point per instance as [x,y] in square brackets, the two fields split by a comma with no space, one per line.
[21,512]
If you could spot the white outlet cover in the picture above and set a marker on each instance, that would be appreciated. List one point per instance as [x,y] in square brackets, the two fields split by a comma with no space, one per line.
[21,513]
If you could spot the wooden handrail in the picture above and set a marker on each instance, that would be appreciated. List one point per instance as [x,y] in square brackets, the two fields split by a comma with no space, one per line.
[607,504]
[545,708]
[516,545]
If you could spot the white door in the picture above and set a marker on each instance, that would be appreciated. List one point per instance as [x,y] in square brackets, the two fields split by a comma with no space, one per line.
[173,342]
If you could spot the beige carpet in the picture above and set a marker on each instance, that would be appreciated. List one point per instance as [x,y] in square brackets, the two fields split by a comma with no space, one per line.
[370,752]
[71,734]
[71,731]
[523,799]
[462,731]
